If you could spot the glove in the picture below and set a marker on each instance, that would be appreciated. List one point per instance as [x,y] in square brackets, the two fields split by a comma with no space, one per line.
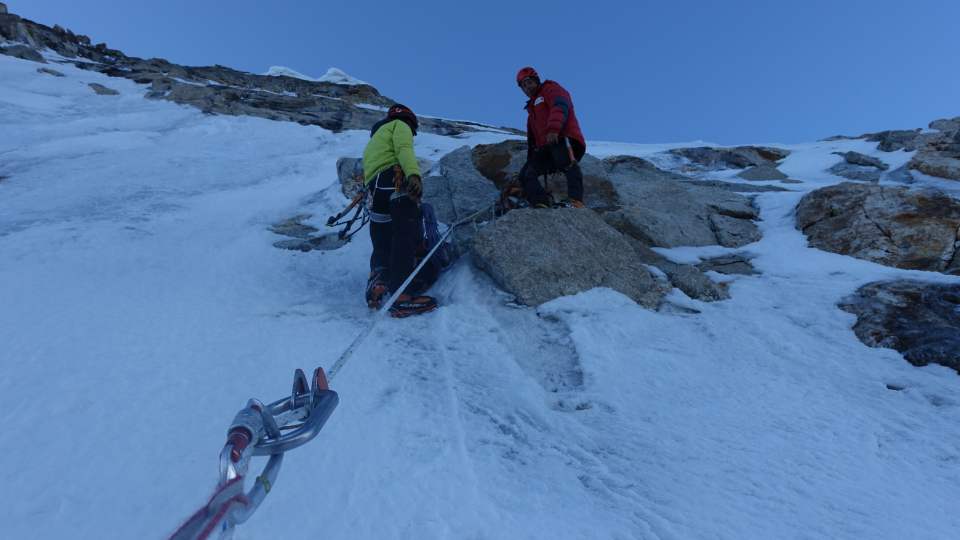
[552,138]
[414,185]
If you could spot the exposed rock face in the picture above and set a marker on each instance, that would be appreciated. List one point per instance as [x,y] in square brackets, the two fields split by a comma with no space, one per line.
[948,125]
[941,154]
[22,52]
[921,320]
[48,71]
[855,172]
[898,139]
[303,237]
[762,172]
[651,206]
[688,278]
[102,90]
[729,264]
[457,189]
[739,157]
[566,251]
[936,164]
[500,163]
[657,207]
[222,90]
[889,225]
[857,166]
[856,158]
[938,152]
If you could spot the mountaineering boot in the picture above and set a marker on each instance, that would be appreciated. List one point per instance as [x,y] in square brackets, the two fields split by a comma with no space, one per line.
[376,289]
[407,305]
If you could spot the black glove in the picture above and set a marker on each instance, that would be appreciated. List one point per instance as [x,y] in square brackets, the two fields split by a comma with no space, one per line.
[414,185]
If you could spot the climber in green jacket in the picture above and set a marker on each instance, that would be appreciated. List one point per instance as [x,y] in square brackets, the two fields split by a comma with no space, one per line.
[395,186]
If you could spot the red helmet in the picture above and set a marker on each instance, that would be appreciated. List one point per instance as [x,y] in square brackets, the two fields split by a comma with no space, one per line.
[527,72]
[402,112]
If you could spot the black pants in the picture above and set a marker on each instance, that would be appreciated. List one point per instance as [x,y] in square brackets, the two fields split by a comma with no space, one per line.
[395,230]
[547,160]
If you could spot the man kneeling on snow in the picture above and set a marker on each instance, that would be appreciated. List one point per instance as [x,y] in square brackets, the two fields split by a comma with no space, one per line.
[392,176]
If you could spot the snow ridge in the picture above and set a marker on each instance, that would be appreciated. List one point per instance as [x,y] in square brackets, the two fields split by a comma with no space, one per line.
[333,75]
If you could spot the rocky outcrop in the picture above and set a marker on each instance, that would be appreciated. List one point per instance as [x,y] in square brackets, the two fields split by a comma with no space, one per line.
[921,320]
[539,255]
[22,52]
[894,226]
[855,172]
[937,150]
[739,157]
[940,156]
[688,278]
[456,188]
[863,160]
[102,90]
[652,207]
[221,90]
[762,172]
[657,207]
[935,164]
[729,264]
[860,167]
[898,139]
[48,71]
[947,125]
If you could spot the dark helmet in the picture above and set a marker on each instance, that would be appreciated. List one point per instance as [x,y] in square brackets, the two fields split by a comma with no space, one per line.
[527,72]
[402,112]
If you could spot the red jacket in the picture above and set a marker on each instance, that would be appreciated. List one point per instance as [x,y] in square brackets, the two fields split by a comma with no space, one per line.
[551,111]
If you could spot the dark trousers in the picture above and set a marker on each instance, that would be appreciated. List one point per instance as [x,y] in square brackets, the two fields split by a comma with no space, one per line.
[548,160]
[395,230]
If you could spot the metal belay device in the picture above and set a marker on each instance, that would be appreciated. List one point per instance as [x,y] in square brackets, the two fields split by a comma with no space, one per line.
[260,430]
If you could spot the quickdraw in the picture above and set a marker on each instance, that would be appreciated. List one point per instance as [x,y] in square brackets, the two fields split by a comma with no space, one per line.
[258,430]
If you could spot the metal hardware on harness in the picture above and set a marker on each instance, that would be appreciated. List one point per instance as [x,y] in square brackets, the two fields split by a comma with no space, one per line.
[258,430]
[358,201]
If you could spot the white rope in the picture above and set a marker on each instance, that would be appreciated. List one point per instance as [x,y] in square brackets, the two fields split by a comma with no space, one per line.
[385,308]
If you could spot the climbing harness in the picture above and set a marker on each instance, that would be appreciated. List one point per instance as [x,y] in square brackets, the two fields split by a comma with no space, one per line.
[260,430]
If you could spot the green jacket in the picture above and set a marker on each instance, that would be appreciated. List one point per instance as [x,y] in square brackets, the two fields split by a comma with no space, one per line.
[391,144]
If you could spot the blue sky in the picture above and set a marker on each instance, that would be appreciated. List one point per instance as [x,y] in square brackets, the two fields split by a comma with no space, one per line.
[725,71]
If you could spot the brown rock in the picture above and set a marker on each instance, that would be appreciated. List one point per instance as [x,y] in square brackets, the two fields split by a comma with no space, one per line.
[889,225]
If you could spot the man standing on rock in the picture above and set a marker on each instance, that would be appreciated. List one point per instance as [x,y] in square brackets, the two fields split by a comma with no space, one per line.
[392,176]
[554,140]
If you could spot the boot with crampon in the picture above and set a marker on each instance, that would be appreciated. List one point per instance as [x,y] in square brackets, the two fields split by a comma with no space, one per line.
[407,305]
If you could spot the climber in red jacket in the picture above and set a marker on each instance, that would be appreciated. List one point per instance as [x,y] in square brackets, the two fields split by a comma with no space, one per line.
[554,140]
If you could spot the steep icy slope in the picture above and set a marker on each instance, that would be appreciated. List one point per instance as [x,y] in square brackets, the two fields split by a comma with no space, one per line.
[142,302]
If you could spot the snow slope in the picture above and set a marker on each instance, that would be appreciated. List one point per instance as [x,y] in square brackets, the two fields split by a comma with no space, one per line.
[142,303]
